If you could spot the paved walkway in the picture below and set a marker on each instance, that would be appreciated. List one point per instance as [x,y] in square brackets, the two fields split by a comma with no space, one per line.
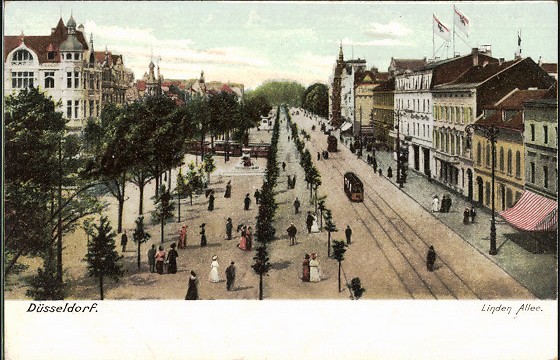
[530,258]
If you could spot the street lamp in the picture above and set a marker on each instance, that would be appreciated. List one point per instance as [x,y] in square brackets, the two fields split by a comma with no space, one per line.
[491,133]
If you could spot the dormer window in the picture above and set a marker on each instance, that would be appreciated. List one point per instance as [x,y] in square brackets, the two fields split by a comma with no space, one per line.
[69,56]
[76,56]
[51,55]
[22,57]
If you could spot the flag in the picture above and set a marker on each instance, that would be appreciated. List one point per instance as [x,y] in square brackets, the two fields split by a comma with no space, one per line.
[519,39]
[461,21]
[441,30]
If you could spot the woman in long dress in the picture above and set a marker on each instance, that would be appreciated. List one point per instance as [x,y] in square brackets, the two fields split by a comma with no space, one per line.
[249,239]
[192,291]
[305,269]
[172,260]
[435,204]
[243,242]
[214,270]
[160,259]
[227,194]
[314,271]
[315,225]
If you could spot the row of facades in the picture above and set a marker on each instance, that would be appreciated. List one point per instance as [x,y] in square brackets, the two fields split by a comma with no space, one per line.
[432,103]
[81,80]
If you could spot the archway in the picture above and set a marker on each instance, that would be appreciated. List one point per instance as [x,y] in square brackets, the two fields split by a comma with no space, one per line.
[469,185]
[480,187]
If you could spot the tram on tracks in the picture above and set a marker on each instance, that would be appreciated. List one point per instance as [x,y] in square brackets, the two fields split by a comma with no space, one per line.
[353,187]
[332,144]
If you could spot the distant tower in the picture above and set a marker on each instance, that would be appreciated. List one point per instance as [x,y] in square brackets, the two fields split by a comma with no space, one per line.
[202,83]
[337,89]
[91,52]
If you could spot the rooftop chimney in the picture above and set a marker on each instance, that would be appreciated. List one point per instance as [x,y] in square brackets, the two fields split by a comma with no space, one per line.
[475,56]
[501,61]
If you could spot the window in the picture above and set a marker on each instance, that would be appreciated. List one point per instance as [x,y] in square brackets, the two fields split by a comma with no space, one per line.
[69,109]
[488,155]
[501,159]
[532,132]
[509,161]
[517,164]
[545,176]
[68,56]
[50,55]
[76,80]
[91,108]
[22,79]
[478,154]
[69,80]
[545,130]
[76,56]
[76,108]
[22,57]
[49,79]
[532,175]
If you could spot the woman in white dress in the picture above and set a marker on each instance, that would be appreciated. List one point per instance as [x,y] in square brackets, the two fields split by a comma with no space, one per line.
[214,270]
[435,204]
[315,225]
[314,270]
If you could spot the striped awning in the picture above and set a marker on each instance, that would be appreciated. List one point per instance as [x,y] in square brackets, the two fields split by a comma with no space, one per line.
[345,126]
[533,212]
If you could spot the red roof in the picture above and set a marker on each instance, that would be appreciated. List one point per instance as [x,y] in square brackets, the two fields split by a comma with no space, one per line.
[515,99]
[551,68]
[141,85]
[515,122]
[226,88]
[41,44]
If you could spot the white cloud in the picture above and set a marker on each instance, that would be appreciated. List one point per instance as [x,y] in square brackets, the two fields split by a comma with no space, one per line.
[393,29]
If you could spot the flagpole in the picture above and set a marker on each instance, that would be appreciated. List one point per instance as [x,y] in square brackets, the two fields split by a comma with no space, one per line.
[453,30]
[433,41]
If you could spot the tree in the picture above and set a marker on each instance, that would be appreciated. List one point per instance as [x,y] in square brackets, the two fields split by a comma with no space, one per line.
[194,179]
[103,260]
[209,166]
[338,255]
[330,227]
[261,266]
[45,285]
[280,92]
[321,206]
[199,111]
[182,189]
[164,208]
[356,287]
[140,235]
[223,108]
[316,99]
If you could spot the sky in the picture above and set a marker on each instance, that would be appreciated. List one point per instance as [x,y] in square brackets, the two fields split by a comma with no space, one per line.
[252,42]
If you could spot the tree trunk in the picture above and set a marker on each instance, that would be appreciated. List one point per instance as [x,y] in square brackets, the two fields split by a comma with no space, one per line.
[121,209]
[162,225]
[101,287]
[178,208]
[138,254]
[202,136]
[169,178]
[339,265]
[141,201]
[157,181]
[260,286]
[329,244]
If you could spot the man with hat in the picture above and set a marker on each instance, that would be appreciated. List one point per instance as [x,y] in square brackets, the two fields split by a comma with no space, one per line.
[292,231]
[230,276]
[431,258]
[229,228]
[247,201]
[202,235]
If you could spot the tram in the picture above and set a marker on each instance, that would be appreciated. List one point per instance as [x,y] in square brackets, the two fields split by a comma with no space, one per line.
[332,144]
[353,187]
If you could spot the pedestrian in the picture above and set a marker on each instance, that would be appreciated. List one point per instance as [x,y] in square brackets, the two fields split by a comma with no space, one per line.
[124,241]
[160,259]
[466,215]
[314,269]
[292,232]
[183,237]
[374,163]
[152,258]
[211,201]
[309,222]
[229,228]
[431,258]
[283,166]
[172,260]
[202,235]
[247,201]
[288,138]
[390,173]
[230,276]
[443,207]
[214,275]
[294,182]
[472,213]
[318,156]
[435,204]
[305,269]
[257,196]
[192,290]
[297,204]
[289,182]
[315,224]
[249,239]
[348,233]
[227,194]
[243,240]
[449,202]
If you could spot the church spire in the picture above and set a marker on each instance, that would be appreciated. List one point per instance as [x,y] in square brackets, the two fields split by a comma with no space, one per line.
[340,54]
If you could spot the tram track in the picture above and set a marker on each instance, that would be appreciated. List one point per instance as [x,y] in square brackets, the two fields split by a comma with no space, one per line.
[407,244]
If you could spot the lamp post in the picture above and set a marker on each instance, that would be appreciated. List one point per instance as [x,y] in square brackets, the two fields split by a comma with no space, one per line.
[491,133]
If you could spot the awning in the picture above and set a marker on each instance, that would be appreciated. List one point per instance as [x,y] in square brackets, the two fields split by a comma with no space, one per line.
[533,212]
[345,126]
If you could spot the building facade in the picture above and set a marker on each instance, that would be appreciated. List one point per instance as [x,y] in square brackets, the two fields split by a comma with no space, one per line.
[381,118]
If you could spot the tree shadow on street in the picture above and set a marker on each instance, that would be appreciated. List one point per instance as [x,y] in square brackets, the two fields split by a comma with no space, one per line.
[241,288]
[535,243]
[280,265]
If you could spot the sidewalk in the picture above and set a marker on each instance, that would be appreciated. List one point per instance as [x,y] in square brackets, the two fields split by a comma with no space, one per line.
[529,258]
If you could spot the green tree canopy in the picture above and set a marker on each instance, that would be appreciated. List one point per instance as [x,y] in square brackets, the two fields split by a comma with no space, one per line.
[279,92]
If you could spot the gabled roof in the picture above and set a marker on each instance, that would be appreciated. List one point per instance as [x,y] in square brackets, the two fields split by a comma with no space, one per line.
[40,44]
[388,85]
[515,99]
[514,122]
[483,72]
[551,68]
[408,64]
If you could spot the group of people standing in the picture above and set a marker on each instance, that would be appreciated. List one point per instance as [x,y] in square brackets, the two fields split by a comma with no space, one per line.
[158,259]
[311,271]
[246,241]
[444,206]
